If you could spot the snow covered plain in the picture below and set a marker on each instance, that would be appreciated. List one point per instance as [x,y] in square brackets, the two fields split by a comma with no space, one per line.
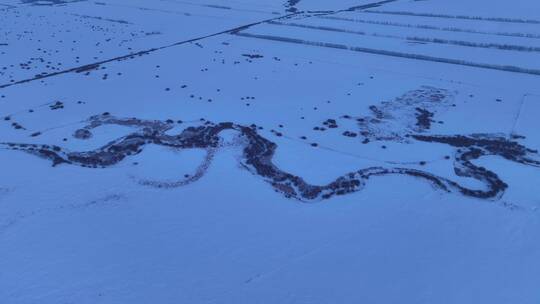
[269,151]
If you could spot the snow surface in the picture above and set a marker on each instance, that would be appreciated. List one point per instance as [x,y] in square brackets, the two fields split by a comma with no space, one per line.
[173,223]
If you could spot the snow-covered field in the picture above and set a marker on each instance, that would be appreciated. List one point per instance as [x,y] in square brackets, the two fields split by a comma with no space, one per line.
[269,151]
